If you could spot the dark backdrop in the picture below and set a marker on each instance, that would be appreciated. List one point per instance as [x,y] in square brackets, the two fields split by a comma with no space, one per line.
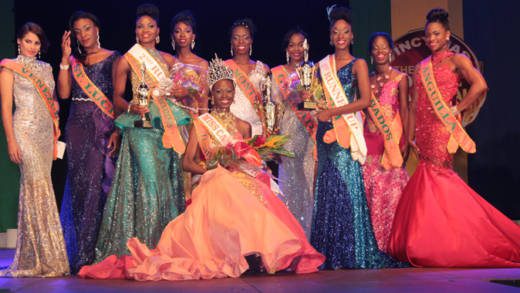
[490,28]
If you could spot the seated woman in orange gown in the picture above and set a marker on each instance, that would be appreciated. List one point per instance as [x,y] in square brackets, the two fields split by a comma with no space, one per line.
[233,213]
[440,221]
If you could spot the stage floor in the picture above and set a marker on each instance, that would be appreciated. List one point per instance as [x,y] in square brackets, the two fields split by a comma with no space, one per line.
[387,280]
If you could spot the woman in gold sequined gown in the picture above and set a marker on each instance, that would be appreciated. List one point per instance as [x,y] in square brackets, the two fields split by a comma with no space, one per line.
[40,248]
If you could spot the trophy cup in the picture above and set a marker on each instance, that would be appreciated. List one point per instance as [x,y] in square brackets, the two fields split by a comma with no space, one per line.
[270,107]
[306,74]
[143,92]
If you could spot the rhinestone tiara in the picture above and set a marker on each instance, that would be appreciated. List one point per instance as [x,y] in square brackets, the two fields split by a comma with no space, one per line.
[218,71]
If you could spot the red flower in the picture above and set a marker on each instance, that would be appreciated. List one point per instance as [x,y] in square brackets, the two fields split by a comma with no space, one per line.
[259,140]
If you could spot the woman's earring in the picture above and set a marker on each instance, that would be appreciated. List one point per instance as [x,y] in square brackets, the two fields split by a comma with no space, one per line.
[79,47]
[98,42]
[40,55]
[371,60]
[157,40]
[231,51]
[136,39]
[19,51]
[173,44]
[192,44]
[287,57]
[250,50]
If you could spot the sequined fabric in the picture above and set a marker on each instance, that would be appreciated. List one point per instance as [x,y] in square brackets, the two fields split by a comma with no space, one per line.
[89,168]
[147,190]
[296,175]
[341,228]
[430,135]
[40,248]
[383,187]
[242,107]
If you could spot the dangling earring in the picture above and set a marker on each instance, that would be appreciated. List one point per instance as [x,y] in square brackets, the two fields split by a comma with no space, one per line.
[352,42]
[157,39]
[136,39]
[287,57]
[40,55]
[79,47]
[390,58]
[231,51]
[330,43]
[192,44]
[98,42]
[371,60]
[19,51]
[173,44]
[250,50]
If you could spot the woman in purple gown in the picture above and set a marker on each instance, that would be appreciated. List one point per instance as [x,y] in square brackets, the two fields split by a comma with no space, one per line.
[88,135]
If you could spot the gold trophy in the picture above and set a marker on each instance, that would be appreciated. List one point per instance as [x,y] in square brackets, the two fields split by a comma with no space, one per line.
[143,94]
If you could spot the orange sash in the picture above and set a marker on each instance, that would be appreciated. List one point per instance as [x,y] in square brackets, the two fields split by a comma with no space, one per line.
[458,136]
[280,75]
[136,56]
[43,91]
[348,128]
[90,89]
[392,130]
[249,90]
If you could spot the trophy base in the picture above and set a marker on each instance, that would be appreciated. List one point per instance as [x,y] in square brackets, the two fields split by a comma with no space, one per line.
[143,124]
[307,106]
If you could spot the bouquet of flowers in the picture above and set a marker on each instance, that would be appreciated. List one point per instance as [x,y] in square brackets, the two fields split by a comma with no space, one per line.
[315,88]
[271,147]
[191,78]
[255,151]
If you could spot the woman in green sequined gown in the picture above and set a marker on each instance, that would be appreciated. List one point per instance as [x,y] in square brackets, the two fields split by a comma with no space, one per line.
[147,190]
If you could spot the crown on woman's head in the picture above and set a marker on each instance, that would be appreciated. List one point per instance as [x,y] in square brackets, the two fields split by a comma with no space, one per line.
[218,71]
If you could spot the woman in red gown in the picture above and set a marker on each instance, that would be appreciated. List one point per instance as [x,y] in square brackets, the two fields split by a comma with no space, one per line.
[441,221]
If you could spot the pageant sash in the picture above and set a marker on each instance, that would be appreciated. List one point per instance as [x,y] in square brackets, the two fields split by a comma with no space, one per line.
[280,75]
[458,136]
[225,138]
[136,56]
[348,128]
[249,90]
[44,92]
[391,130]
[95,94]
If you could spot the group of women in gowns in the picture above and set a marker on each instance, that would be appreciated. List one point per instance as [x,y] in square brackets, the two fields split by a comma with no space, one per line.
[344,201]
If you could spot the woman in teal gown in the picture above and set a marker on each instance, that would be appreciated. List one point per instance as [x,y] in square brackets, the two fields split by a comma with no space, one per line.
[147,190]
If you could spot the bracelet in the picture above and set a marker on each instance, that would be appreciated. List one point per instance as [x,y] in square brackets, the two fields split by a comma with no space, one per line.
[64,66]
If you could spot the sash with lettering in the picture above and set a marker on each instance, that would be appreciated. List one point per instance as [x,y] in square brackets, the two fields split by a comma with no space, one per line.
[138,55]
[458,136]
[348,128]
[223,138]
[44,92]
[90,89]
[280,76]
[391,128]
[249,90]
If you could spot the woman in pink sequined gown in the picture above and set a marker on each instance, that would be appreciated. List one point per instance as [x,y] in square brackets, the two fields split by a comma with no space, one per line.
[441,221]
[384,184]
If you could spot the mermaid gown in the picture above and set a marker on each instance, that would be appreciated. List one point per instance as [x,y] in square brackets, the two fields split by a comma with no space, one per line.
[440,221]
[341,228]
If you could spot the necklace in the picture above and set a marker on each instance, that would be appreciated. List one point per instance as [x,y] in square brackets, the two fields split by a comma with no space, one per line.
[225,117]
[381,79]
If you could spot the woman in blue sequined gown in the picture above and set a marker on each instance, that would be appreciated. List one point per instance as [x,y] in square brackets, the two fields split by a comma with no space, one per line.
[341,228]
[90,167]
[147,189]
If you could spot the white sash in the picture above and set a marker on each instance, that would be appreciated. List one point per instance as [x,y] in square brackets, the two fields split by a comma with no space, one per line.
[358,148]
